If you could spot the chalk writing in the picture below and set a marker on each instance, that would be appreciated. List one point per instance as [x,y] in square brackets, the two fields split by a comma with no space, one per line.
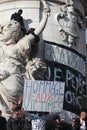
[75,85]
[64,56]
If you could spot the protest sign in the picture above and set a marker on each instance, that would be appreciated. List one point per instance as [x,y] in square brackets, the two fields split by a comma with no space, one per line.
[42,96]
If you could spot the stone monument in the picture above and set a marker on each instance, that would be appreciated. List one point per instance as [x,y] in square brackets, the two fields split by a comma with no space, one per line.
[61,47]
[15,61]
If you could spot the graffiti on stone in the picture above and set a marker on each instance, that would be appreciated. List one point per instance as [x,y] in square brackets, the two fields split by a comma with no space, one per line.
[74,77]
[65,56]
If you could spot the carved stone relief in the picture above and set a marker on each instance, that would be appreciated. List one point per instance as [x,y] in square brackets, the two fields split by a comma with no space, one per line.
[69,23]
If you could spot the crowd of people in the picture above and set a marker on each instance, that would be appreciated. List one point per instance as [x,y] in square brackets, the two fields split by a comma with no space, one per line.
[19,121]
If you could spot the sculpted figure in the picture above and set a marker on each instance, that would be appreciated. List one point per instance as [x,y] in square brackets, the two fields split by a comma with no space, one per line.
[14,52]
[67,21]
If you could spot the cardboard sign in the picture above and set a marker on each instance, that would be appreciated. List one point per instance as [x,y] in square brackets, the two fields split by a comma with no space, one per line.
[44,96]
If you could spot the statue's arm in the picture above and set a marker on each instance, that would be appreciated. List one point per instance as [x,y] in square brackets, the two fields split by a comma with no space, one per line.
[29,39]
[41,26]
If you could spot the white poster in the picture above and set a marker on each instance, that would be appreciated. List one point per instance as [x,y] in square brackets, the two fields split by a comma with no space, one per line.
[44,96]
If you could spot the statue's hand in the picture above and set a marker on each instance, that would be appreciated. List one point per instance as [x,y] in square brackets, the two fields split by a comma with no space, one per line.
[47,10]
[36,69]
[3,75]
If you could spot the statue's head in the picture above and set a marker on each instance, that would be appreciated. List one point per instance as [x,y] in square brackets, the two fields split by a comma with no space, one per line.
[11,30]
[20,11]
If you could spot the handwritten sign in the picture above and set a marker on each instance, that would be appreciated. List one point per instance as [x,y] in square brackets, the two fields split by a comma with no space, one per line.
[42,96]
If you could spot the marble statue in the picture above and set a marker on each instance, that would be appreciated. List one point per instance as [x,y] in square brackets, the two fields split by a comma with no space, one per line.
[14,52]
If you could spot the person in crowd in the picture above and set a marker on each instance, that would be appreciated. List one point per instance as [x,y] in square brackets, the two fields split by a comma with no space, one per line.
[65,126]
[49,124]
[82,121]
[17,17]
[2,122]
[73,126]
[14,122]
[42,121]
[27,124]
[57,125]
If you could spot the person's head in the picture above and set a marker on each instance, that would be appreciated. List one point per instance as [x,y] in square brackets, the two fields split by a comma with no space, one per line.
[15,114]
[11,31]
[73,121]
[57,119]
[62,120]
[20,11]
[83,115]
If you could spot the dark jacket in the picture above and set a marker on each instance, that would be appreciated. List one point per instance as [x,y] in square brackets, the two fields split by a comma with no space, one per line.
[58,126]
[50,125]
[2,123]
[14,124]
[27,125]
[73,127]
[78,124]
[65,126]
